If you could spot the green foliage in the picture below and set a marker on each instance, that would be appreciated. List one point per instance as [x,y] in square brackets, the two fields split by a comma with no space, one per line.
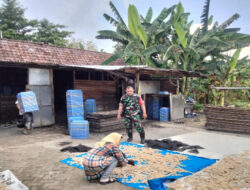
[240,103]
[117,14]
[199,90]
[181,34]
[228,71]
[233,61]
[51,33]
[149,15]
[223,69]
[198,106]
[229,21]
[113,58]
[163,15]
[135,26]
[112,35]
[14,25]
[171,45]
[204,17]
[81,44]
[178,23]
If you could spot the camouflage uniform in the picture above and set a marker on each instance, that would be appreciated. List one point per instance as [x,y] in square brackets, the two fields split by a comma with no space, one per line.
[131,112]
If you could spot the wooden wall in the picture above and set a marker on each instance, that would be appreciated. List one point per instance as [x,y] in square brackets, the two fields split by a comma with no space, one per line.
[12,81]
[8,109]
[169,85]
[104,92]
[227,119]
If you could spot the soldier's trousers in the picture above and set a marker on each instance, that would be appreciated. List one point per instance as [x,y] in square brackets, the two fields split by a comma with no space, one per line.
[134,120]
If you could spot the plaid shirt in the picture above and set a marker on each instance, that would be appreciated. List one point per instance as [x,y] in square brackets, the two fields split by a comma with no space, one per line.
[98,159]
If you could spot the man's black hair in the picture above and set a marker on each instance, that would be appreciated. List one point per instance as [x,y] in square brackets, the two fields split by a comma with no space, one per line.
[130,86]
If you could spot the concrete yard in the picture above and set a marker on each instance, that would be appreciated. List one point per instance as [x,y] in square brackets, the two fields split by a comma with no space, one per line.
[35,159]
[216,145]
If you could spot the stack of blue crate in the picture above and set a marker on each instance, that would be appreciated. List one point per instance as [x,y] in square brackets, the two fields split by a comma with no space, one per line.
[78,127]
[156,107]
[74,103]
[27,101]
[149,106]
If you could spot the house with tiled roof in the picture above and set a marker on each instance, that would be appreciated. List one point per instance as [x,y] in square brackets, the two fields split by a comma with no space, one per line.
[25,53]
[50,71]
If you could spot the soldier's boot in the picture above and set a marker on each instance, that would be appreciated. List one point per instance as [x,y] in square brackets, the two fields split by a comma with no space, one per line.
[142,135]
[130,135]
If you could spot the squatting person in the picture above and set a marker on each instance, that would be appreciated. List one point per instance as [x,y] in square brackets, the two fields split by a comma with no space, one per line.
[102,160]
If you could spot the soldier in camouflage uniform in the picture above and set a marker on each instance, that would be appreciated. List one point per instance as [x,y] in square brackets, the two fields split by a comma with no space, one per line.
[130,104]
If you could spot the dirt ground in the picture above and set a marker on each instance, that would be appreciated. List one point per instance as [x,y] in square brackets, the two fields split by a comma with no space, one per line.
[232,172]
[35,159]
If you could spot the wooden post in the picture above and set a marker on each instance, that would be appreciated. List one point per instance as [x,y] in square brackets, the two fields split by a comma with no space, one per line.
[138,83]
[123,87]
[74,78]
[177,86]
[144,98]
[224,99]
[51,78]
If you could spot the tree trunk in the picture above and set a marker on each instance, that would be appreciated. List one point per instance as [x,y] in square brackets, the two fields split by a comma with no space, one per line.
[183,88]
[184,78]
[188,85]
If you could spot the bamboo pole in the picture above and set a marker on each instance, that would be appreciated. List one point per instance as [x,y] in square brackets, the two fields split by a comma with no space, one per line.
[177,86]
[138,83]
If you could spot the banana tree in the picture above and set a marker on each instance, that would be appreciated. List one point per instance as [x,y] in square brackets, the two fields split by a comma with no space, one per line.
[222,73]
[137,42]
[142,38]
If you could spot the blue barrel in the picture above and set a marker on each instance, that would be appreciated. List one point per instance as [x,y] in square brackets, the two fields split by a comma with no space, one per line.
[74,103]
[164,114]
[156,107]
[163,92]
[90,106]
[79,129]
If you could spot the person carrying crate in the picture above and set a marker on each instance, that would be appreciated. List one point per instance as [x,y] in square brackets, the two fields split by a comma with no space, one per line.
[26,121]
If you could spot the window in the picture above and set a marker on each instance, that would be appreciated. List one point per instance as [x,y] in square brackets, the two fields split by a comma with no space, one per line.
[96,75]
[81,75]
[106,76]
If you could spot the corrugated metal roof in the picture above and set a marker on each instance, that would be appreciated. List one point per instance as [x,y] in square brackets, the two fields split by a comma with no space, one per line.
[142,69]
[109,67]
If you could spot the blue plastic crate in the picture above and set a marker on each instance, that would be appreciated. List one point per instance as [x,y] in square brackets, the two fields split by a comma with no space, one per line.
[27,101]
[74,97]
[156,108]
[74,100]
[79,129]
[74,93]
[70,119]
[75,111]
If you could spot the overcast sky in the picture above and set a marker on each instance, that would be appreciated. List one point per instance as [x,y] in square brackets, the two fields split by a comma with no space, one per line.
[85,17]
